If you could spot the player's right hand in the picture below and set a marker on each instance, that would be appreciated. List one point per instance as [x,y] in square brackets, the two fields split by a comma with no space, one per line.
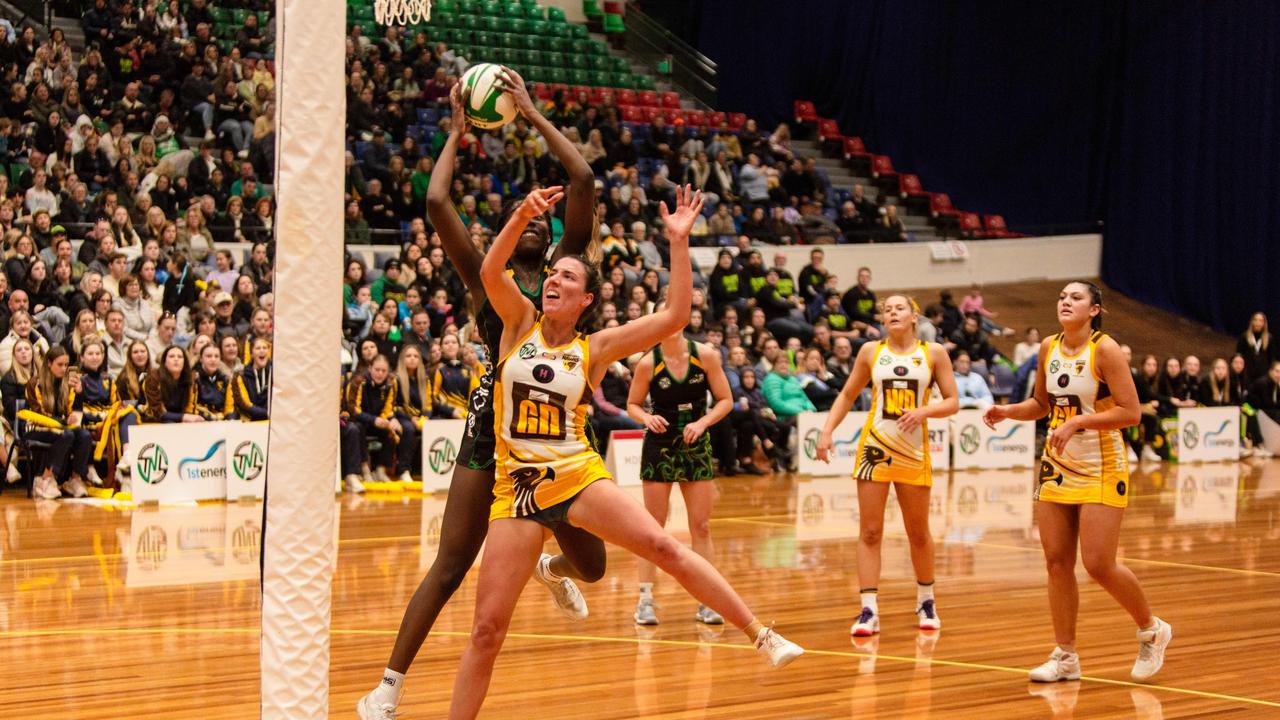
[655,424]
[824,447]
[457,101]
[994,414]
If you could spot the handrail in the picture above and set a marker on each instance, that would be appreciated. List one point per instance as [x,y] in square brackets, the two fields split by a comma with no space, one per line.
[36,12]
[690,69]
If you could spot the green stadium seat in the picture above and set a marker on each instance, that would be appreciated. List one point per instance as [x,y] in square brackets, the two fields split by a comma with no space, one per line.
[591,8]
[599,47]
[527,58]
[517,25]
[533,12]
[555,15]
[591,62]
[491,8]
[513,41]
[536,42]
[264,17]
[237,15]
[537,27]
[613,23]
[220,15]
[470,7]
[622,80]
[469,22]
[226,45]
[580,76]
[486,38]
[564,31]
[601,78]
[618,63]
[557,44]
[555,59]
[443,19]
[644,82]
[559,75]
[491,24]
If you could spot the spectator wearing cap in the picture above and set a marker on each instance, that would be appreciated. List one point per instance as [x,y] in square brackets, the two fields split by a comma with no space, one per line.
[223,315]
[388,285]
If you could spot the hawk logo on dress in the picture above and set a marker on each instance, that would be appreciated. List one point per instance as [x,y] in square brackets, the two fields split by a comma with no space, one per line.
[1079,368]
[871,457]
[1048,473]
[664,383]
[527,351]
[916,361]
[571,362]
[526,481]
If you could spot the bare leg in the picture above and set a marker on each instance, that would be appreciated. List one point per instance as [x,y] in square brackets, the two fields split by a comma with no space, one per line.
[508,564]
[1059,530]
[914,501]
[583,554]
[657,500]
[1099,537]
[462,532]
[871,500]
[607,512]
[699,497]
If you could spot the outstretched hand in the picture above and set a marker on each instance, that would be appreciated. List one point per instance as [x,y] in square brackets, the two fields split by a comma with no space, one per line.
[540,201]
[509,81]
[457,102]
[688,207]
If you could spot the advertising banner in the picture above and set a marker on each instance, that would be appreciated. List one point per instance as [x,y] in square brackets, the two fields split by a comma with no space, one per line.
[440,442]
[1206,494]
[179,462]
[623,460]
[1208,434]
[1011,444]
[844,443]
[246,459]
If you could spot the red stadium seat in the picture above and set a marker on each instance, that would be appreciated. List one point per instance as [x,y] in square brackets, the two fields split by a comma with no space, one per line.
[649,98]
[912,192]
[856,156]
[805,112]
[581,89]
[944,216]
[828,129]
[601,96]
[830,138]
[737,120]
[540,90]
[559,86]
[631,114]
[716,119]
[626,96]
[970,225]
[649,112]
[672,114]
[695,118]
[883,174]
[997,229]
[671,100]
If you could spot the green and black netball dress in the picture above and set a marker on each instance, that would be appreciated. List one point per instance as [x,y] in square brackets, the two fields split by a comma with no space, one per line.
[665,456]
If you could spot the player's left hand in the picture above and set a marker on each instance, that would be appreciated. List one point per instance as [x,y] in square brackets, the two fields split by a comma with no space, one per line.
[1059,438]
[911,420]
[693,431]
[457,102]
[680,222]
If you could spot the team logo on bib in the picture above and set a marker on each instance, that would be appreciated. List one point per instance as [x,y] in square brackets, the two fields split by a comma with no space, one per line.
[900,371]
[1064,380]
[885,359]
[916,361]
[543,373]
[571,362]
[1054,365]
[1079,368]
[527,351]
[664,383]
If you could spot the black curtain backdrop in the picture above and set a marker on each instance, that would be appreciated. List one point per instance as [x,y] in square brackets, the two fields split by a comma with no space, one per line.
[1160,119]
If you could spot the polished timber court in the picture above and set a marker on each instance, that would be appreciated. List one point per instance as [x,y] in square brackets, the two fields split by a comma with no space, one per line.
[108,613]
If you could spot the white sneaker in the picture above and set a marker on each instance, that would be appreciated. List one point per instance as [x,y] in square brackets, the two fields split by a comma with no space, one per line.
[778,650]
[927,614]
[1263,453]
[367,709]
[352,484]
[1133,456]
[645,614]
[867,624]
[380,475]
[92,477]
[46,488]
[208,135]
[1149,454]
[707,616]
[405,477]
[13,474]
[75,487]
[1061,665]
[567,596]
[1151,650]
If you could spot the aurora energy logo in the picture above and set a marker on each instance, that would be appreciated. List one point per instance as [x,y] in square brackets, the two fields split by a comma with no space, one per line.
[152,464]
[1219,437]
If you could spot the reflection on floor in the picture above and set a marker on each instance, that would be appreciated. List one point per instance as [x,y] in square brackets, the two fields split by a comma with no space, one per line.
[154,613]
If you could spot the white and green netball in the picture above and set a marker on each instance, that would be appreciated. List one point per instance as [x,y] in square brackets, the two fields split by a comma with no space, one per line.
[487,106]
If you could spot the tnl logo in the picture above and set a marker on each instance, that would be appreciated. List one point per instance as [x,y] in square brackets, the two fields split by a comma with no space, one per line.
[152,464]
[969,438]
[441,456]
[248,461]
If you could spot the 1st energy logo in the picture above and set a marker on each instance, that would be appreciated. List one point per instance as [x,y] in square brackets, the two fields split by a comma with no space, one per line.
[1007,443]
[198,473]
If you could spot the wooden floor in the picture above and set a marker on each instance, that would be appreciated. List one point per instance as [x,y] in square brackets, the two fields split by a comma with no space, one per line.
[154,614]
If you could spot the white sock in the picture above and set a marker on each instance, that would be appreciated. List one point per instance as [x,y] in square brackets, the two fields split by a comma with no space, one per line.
[389,690]
[923,592]
[547,572]
[869,600]
[646,592]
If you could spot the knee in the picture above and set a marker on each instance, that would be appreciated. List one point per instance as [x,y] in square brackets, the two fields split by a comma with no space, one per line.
[488,633]
[871,534]
[919,537]
[663,550]
[591,568]
[700,529]
[446,576]
[1099,567]
[1059,563]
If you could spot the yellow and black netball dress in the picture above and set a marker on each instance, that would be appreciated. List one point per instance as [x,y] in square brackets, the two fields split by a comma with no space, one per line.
[541,395]
[665,457]
[899,384]
[1092,468]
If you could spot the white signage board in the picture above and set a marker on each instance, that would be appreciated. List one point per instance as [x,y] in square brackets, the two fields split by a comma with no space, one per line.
[623,461]
[175,462]
[1011,444]
[441,440]
[246,459]
[844,443]
[1208,434]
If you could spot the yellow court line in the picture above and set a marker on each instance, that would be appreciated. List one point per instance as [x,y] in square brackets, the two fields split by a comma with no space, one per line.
[1036,550]
[639,641]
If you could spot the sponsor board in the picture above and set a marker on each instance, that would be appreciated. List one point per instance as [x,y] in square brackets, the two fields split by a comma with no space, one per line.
[1208,434]
[623,459]
[990,500]
[441,440]
[976,446]
[844,443]
[246,459]
[180,462]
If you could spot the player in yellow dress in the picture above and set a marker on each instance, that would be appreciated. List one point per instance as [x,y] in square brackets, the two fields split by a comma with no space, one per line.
[893,448]
[548,474]
[1084,385]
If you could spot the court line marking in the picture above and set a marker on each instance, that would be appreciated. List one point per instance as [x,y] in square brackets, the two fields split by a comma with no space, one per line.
[640,641]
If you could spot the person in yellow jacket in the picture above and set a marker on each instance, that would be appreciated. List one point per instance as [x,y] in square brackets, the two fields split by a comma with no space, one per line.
[53,419]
